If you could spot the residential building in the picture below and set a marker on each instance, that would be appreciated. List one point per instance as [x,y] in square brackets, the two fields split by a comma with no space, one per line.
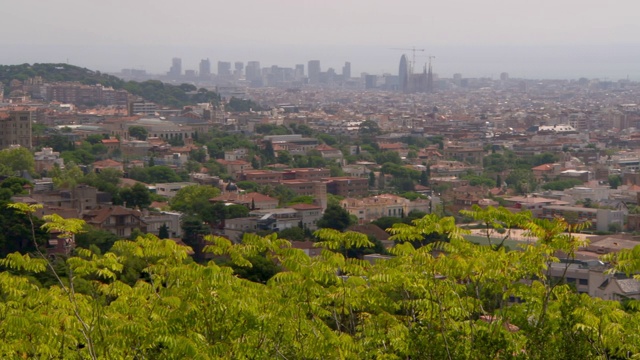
[234,167]
[471,155]
[251,200]
[348,186]
[15,129]
[116,219]
[142,108]
[107,164]
[155,221]
[600,219]
[309,215]
[374,207]
[46,159]
[170,190]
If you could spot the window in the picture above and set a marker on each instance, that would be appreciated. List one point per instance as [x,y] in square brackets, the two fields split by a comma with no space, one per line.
[583,281]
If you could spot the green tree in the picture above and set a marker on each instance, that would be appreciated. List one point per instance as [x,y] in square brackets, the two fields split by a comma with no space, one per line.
[137,195]
[15,160]
[335,217]
[424,178]
[194,200]
[615,181]
[90,236]
[372,179]
[560,185]
[138,132]
[163,232]
[236,211]
[146,299]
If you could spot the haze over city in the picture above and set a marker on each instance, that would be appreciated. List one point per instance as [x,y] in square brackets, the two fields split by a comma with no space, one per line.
[548,39]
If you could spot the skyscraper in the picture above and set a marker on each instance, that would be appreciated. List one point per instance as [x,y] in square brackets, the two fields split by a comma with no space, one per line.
[430,79]
[252,71]
[313,68]
[176,68]
[224,68]
[238,68]
[299,72]
[205,69]
[346,71]
[403,74]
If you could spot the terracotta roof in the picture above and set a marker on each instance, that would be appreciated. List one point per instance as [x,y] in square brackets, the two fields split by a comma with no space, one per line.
[159,204]
[100,214]
[239,197]
[324,147]
[106,163]
[543,167]
[305,207]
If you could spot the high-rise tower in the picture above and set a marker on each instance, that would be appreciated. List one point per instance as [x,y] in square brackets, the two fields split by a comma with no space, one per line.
[313,69]
[224,68]
[430,79]
[238,68]
[403,74]
[346,71]
[253,71]
[176,68]
[205,69]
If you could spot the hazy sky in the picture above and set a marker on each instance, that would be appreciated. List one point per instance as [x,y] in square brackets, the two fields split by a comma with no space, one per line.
[543,38]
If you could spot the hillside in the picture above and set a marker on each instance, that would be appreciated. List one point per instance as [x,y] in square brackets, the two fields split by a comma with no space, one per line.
[151,90]
[57,72]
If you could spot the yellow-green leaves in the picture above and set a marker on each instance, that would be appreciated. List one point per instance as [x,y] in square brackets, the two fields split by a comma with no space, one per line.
[336,240]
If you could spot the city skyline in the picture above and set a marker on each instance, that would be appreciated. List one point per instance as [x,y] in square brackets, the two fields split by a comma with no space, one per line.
[568,39]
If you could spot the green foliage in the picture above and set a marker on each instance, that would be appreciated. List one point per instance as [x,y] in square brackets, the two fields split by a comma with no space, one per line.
[262,269]
[271,129]
[135,196]
[301,199]
[236,211]
[16,160]
[194,200]
[412,195]
[15,186]
[248,186]
[388,157]
[335,217]
[57,72]
[90,236]
[560,185]
[242,105]
[327,139]
[475,180]
[169,95]
[369,128]
[163,232]
[544,158]
[138,132]
[154,174]
[521,180]
[146,299]
[615,181]
[293,234]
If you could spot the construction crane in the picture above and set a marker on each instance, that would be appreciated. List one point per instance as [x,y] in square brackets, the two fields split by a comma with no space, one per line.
[413,51]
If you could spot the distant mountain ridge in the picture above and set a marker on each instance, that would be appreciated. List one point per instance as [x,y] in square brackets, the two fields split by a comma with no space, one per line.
[151,90]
